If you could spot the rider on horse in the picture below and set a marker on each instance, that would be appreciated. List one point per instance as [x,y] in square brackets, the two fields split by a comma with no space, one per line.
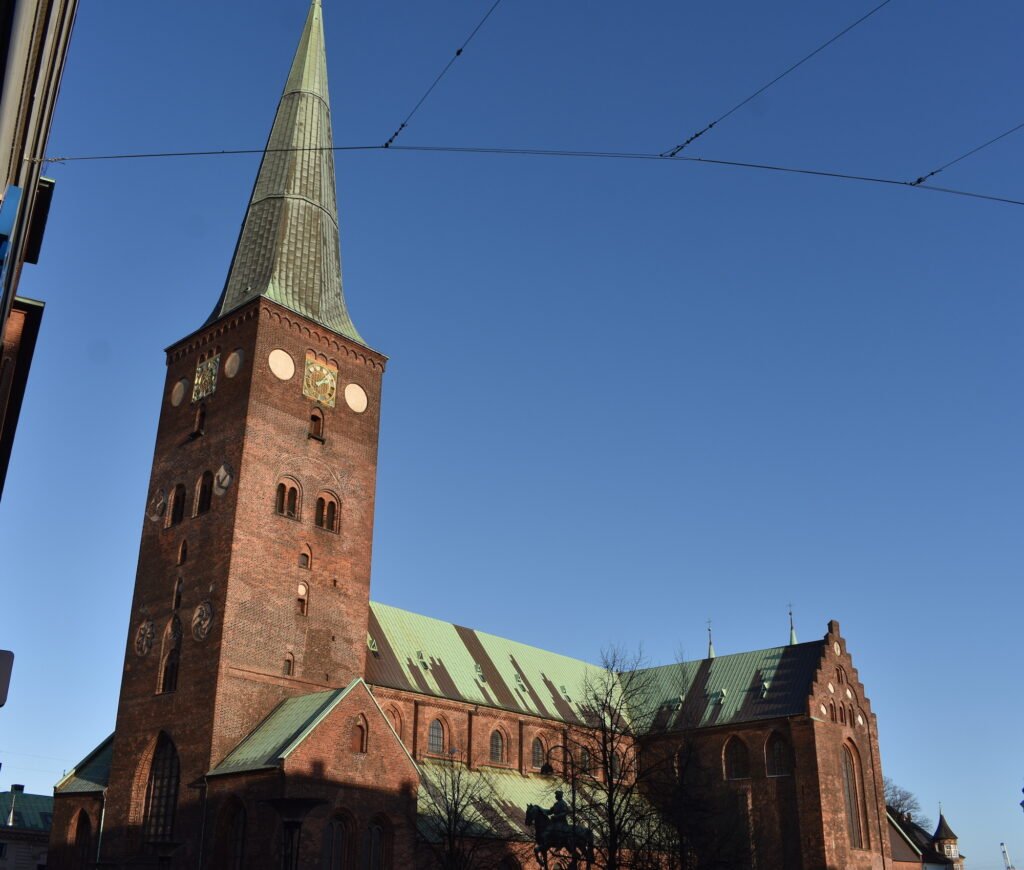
[559,813]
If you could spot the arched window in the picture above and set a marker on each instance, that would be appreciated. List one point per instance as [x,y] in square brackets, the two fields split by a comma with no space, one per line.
[306,558]
[737,759]
[435,738]
[169,672]
[616,765]
[777,755]
[842,714]
[183,553]
[316,424]
[302,599]
[537,754]
[340,842]
[170,657]
[854,798]
[584,762]
[326,514]
[287,500]
[229,843]
[161,792]
[497,748]
[81,845]
[204,496]
[378,845]
[840,675]
[177,594]
[359,736]
[832,711]
[396,721]
[177,513]
[289,664]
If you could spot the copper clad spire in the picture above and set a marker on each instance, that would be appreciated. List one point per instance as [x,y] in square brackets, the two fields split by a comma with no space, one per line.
[288,249]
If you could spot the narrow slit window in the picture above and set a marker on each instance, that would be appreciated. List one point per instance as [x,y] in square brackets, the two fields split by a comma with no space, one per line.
[204,498]
[316,425]
[177,505]
[435,738]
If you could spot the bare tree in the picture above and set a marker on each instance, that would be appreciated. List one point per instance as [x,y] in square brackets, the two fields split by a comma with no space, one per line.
[602,763]
[457,815]
[904,802]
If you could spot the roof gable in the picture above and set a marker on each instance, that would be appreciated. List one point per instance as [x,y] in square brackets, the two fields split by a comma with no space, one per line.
[91,774]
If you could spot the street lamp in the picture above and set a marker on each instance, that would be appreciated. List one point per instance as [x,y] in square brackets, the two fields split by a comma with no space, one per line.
[568,760]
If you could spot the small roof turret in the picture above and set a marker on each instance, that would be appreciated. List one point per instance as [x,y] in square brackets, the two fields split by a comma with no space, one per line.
[288,249]
[943,831]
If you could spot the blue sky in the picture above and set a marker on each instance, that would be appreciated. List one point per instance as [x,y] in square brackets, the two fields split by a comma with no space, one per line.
[623,397]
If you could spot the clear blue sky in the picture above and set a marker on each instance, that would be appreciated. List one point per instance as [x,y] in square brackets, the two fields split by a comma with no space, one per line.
[623,397]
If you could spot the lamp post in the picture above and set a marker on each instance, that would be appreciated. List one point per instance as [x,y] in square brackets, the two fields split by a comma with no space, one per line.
[568,760]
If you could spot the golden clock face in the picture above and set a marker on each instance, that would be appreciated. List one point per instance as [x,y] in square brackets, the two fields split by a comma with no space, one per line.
[320,383]
[206,378]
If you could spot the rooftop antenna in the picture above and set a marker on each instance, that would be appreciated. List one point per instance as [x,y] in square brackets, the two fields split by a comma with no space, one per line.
[711,646]
[792,628]
[1006,858]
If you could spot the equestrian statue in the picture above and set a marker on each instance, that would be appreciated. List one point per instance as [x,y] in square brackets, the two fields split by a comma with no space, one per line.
[553,831]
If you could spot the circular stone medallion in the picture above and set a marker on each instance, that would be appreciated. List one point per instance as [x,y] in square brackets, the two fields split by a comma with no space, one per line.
[157,505]
[202,619]
[144,638]
[355,398]
[233,362]
[178,392]
[281,364]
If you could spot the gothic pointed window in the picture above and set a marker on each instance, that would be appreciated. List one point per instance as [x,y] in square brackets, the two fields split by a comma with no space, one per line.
[161,792]
[537,754]
[177,594]
[853,797]
[777,756]
[340,842]
[170,657]
[177,513]
[435,738]
[737,759]
[81,847]
[229,837]
[183,553]
[302,599]
[378,845]
[359,736]
[289,664]
[204,496]
[497,747]
[199,423]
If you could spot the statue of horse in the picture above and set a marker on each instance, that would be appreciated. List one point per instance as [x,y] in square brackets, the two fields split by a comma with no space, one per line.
[577,840]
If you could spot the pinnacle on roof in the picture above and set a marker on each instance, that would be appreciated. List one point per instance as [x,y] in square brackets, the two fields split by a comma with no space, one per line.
[943,831]
[792,628]
[288,249]
[711,646]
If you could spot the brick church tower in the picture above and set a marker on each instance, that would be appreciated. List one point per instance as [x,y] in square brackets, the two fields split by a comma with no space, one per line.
[254,565]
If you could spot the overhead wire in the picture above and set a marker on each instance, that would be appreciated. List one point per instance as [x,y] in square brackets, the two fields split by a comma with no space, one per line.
[967,154]
[565,153]
[672,152]
[441,75]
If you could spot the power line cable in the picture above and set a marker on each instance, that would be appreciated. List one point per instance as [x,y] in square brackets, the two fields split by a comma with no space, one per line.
[967,154]
[441,75]
[551,152]
[672,152]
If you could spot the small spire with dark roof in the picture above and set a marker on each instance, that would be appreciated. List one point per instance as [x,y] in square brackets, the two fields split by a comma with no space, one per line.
[711,646]
[288,249]
[792,627]
[943,831]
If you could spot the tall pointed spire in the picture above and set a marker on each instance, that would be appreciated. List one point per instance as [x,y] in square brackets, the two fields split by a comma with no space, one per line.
[711,646]
[792,627]
[288,249]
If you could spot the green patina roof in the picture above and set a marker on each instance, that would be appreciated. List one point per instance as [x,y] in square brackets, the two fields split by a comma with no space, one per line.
[32,812]
[504,794]
[467,665]
[91,774]
[763,684]
[288,249]
[725,689]
[288,724]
